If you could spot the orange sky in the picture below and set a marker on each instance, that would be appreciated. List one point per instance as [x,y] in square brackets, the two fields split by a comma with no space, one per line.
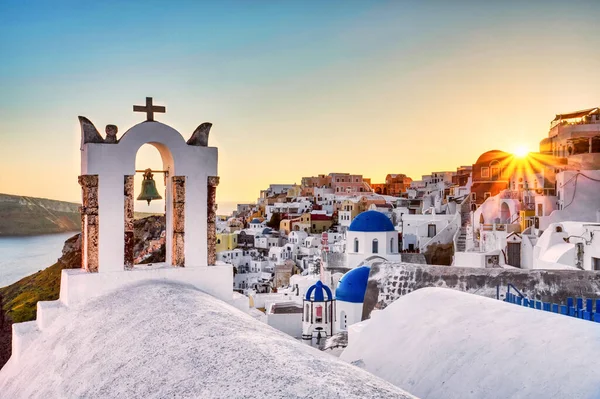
[372,90]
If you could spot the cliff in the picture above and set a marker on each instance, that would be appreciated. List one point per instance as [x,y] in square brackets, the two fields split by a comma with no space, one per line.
[32,216]
[18,301]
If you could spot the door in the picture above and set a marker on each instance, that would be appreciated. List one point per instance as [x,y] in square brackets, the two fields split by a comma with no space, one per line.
[431,230]
[514,254]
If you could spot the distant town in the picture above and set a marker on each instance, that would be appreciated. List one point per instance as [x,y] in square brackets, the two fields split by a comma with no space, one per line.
[533,210]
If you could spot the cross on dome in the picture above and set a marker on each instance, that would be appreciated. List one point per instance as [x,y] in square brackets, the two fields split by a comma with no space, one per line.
[149,109]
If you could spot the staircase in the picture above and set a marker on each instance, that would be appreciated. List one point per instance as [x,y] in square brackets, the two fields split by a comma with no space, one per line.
[465,218]
[461,241]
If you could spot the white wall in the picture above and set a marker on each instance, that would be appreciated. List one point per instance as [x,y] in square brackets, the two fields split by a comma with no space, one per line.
[552,251]
[290,323]
[365,247]
[347,313]
[577,197]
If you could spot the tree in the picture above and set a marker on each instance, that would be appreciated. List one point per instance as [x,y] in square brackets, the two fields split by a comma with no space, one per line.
[275,221]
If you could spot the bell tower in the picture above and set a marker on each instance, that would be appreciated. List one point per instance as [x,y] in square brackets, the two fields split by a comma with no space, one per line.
[107,170]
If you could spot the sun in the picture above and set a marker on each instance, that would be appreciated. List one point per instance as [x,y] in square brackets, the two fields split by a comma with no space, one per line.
[521,151]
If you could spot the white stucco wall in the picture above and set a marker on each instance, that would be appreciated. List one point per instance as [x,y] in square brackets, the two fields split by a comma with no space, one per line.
[290,324]
[552,251]
[577,197]
[111,162]
[347,314]
[365,247]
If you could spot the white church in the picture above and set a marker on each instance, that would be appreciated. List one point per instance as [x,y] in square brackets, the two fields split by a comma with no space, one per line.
[371,235]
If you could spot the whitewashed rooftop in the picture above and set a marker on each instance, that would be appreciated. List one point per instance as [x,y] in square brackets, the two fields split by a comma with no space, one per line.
[159,340]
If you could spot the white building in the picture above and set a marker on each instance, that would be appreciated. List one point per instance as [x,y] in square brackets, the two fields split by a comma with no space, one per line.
[577,199]
[418,230]
[568,245]
[257,224]
[291,209]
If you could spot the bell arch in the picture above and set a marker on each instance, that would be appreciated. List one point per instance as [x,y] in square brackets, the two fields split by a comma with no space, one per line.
[107,169]
[174,203]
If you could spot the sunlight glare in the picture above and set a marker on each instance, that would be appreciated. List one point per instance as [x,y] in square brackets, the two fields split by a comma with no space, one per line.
[521,151]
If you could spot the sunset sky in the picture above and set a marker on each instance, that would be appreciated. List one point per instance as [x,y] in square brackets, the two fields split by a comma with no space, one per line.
[292,88]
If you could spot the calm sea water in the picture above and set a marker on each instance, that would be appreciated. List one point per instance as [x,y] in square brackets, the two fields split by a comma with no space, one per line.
[22,256]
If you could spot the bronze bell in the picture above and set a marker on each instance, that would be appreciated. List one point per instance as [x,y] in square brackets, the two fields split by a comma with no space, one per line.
[149,191]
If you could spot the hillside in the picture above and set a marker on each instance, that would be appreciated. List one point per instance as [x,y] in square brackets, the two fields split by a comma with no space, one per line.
[32,216]
[18,301]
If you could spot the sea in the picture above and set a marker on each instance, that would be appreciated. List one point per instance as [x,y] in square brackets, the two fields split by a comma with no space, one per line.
[22,256]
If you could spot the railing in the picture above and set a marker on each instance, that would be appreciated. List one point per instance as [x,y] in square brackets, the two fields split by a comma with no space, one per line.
[508,287]
[574,307]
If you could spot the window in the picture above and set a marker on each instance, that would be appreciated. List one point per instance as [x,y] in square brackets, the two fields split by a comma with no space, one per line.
[319,312]
[595,263]
[392,245]
[356,245]
[473,196]
[485,172]
[375,246]
[306,318]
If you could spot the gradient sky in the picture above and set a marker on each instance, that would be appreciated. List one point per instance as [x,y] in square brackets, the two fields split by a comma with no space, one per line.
[292,88]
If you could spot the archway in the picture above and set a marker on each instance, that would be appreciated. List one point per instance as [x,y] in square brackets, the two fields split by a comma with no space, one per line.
[149,228]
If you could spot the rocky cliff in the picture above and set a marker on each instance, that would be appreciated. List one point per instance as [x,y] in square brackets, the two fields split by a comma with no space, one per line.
[32,216]
[18,301]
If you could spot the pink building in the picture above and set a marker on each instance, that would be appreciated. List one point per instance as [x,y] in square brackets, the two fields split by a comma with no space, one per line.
[345,183]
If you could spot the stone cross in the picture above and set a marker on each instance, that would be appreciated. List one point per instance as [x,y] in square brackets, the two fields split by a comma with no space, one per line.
[149,109]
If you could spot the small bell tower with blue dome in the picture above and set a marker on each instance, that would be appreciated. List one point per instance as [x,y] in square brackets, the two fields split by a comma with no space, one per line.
[318,315]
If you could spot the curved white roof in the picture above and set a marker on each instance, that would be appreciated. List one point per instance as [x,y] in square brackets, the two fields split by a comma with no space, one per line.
[164,340]
[441,343]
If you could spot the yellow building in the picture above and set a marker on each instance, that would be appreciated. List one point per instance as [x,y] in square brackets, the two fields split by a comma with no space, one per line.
[285,225]
[526,218]
[310,223]
[226,241]
[354,207]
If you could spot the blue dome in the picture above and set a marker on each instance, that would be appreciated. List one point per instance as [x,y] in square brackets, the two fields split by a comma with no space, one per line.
[318,288]
[371,221]
[255,221]
[353,285]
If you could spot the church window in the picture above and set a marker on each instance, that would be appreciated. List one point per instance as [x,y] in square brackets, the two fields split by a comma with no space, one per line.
[356,245]
[306,313]
[485,172]
[392,245]
[375,246]
[319,318]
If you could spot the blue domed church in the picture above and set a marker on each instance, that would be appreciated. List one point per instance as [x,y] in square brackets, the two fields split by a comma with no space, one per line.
[371,235]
